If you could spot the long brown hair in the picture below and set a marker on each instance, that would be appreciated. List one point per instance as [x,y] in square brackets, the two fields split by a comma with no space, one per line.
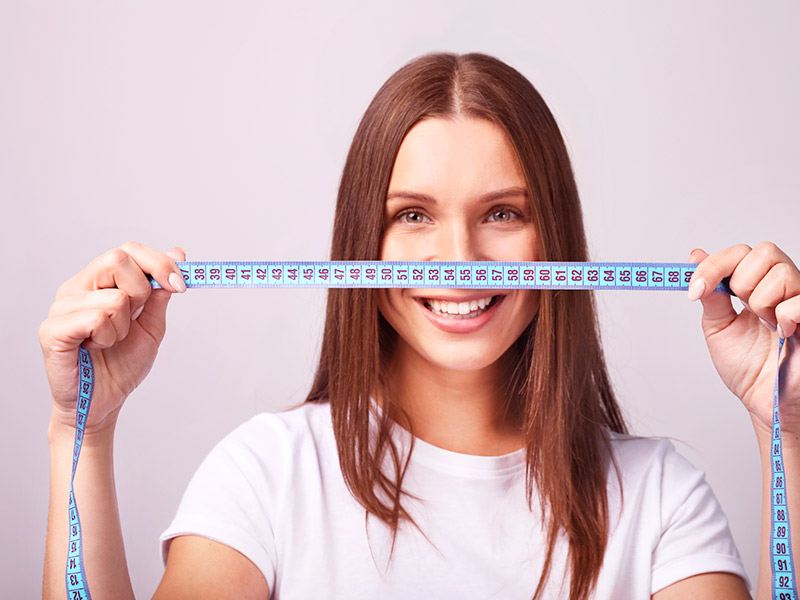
[560,385]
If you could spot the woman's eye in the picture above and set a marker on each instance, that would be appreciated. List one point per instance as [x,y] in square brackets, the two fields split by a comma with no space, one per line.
[412,217]
[503,215]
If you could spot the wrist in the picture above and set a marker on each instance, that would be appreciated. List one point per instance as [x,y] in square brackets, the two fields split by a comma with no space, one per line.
[61,428]
[790,438]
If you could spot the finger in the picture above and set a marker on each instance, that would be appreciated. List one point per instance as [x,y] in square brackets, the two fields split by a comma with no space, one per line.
[176,254]
[112,269]
[755,266]
[718,311]
[780,283]
[125,268]
[156,307]
[714,268]
[788,316]
[157,264]
[114,302]
[91,326]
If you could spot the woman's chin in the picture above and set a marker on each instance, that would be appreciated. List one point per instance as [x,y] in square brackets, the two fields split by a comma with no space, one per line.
[463,360]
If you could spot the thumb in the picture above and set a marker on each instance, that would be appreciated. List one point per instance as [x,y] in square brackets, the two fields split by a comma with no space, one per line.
[718,311]
[156,305]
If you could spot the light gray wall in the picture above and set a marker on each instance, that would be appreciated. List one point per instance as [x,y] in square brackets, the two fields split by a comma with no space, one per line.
[223,127]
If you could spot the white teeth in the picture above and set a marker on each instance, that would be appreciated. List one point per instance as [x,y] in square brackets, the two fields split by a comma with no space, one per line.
[458,310]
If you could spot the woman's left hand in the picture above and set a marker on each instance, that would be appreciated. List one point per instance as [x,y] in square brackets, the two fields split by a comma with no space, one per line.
[744,345]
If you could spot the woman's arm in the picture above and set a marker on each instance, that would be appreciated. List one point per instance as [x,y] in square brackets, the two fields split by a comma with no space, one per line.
[708,586]
[727,585]
[110,309]
[95,493]
[791,467]
[199,568]
[744,349]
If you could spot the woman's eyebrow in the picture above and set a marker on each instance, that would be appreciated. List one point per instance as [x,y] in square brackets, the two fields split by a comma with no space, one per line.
[488,197]
[504,193]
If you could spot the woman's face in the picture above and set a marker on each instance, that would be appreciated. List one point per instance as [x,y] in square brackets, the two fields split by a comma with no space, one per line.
[457,192]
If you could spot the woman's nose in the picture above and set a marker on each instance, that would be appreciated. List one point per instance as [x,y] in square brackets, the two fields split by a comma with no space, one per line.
[458,243]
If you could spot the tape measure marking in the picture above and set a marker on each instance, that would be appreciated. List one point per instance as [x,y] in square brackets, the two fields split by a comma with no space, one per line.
[438,274]
[447,275]
[784,585]
[77,587]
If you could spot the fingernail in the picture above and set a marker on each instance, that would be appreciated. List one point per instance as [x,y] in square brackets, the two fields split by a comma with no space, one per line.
[780,331]
[767,324]
[697,289]
[137,312]
[176,281]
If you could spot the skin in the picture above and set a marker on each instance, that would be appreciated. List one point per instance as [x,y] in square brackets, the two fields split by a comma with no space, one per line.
[451,383]
[743,348]
[458,408]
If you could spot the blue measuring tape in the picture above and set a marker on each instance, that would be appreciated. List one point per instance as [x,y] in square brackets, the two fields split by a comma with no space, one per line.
[784,585]
[644,276]
[77,587]
[438,274]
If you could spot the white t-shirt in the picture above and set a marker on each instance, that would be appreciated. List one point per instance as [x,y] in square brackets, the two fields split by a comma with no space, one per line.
[274,491]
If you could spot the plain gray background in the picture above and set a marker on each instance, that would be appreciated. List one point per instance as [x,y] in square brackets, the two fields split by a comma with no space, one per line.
[223,127]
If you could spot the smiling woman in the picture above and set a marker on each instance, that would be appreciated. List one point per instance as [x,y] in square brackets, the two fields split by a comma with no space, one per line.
[455,443]
[460,217]
[466,162]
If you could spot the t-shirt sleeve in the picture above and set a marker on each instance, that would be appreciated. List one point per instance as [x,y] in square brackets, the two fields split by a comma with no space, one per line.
[229,500]
[696,537]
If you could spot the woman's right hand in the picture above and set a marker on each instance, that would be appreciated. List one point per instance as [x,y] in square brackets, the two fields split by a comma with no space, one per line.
[110,308]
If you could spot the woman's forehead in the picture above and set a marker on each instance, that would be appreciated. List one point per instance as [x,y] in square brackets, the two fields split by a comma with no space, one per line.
[469,153]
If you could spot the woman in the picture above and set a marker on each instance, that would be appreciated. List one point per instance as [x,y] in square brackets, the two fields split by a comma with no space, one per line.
[454,444]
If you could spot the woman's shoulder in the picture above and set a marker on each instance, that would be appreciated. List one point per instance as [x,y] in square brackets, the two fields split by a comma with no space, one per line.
[307,418]
[654,461]
[626,444]
[287,432]
[638,446]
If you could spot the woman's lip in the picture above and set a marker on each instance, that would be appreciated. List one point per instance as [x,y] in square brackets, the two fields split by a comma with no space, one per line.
[461,325]
[463,298]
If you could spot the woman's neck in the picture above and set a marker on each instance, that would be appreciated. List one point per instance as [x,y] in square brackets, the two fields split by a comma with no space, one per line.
[461,411]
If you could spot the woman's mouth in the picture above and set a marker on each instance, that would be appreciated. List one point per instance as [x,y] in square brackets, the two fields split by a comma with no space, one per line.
[459,310]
